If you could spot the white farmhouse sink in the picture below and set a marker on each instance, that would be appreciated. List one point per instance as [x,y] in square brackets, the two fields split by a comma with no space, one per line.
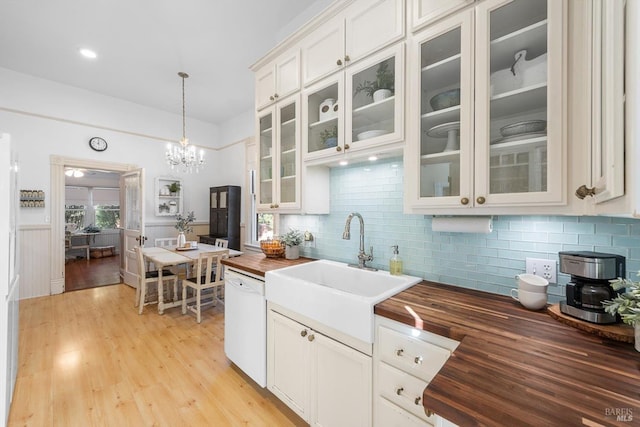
[335,294]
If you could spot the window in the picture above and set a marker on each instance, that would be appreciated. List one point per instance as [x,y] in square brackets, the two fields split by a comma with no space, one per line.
[266,226]
[87,206]
[74,214]
[107,216]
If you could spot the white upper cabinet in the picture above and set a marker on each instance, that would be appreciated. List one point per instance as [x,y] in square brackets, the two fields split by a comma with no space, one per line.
[278,80]
[488,109]
[355,111]
[363,28]
[424,12]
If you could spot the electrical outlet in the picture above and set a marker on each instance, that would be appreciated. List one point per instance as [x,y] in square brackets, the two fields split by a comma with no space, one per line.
[546,268]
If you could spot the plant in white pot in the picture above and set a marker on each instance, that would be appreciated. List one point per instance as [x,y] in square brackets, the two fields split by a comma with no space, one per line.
[183,225]
[292,240]
[382,87]
[627,305]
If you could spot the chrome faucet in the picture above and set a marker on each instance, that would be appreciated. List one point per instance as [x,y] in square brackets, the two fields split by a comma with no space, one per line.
[363,257]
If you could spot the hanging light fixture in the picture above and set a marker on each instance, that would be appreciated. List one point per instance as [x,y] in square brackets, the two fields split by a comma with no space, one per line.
[183,156]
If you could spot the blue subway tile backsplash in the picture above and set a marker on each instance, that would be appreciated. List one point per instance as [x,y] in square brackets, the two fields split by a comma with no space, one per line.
[487,262]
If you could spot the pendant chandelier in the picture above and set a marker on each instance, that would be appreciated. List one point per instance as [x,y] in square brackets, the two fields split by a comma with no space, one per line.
[183,157]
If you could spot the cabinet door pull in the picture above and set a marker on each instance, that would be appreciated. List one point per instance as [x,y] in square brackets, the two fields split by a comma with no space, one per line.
[311,337]
[275,96]
[338,148]
[271,98]
[346,58]
[399,390]
[464,201]
[346,146]
[417,360]
[399,352]
[417,400]
[481,200]
[339,62]
[303,333]
[584,191]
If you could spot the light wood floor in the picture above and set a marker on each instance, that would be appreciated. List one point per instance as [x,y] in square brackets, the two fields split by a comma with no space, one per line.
[88,359]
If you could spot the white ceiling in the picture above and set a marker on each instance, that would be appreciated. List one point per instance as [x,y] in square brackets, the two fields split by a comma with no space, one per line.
[142,44]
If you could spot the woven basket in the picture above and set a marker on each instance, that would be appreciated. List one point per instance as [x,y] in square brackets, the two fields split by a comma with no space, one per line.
[272,248]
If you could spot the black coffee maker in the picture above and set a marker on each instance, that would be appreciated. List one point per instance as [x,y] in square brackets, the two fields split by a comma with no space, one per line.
[590,274]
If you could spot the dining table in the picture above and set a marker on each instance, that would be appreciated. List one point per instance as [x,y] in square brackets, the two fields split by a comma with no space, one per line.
[169,256]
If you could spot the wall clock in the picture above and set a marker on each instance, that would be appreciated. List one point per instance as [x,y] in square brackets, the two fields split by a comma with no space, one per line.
[97,143]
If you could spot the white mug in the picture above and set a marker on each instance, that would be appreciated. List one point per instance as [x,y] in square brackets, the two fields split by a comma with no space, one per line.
[532,283]
[530,300]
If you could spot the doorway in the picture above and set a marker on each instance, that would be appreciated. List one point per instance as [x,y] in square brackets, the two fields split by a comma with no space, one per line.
[92,222]
[58,230]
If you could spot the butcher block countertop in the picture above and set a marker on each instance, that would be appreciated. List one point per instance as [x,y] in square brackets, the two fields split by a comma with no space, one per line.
[516,367]
[259,264]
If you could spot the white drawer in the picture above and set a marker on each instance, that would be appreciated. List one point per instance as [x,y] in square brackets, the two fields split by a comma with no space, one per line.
[417,357]
[402,389]
[389,415]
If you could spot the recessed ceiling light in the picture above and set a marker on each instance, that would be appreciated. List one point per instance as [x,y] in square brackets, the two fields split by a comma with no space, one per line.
[88,53]
[343,163]
[373,158]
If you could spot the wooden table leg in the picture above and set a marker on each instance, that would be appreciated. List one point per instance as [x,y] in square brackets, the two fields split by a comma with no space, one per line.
[160,292]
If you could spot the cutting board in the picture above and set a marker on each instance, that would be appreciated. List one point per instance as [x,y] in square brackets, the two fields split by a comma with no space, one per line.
[617,332]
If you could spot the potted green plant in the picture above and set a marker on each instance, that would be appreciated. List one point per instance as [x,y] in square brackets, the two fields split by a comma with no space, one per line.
[183,225]
[292,239]
[174,187]
[382,87]
[626,304]
[329,137]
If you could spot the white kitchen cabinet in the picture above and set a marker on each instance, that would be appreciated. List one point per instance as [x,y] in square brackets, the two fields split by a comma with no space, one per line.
[167,202]
[606,72]
[278,80]
[279,156]
[363,28]
[324,381]
[506,59]
[405,360]
[344,117]
[424,12]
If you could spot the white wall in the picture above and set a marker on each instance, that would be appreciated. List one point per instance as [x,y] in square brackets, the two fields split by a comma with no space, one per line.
[45,118]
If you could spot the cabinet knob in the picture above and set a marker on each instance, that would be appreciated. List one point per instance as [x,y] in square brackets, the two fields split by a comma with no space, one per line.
[481,200]
[399,391]
[339,62]
[338,148]
[417,400]
[584,191]
[271,98]
[275,95]
[417,360]
[346,146]
[311,337]
[399,352]
[346,58]
[276,206]
[303,333]
[464,201]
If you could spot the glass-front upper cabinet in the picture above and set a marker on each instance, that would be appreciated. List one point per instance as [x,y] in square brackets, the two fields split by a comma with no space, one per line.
[356,109]
[279,156]
[491,108]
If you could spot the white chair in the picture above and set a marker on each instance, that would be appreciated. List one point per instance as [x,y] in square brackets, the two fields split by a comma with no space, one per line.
[145,277]
[164,242]
[209,275]
[221,243]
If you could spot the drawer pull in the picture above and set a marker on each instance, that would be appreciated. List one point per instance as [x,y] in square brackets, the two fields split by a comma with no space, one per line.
[303,333]
[399,352]
[417,400]
[399,391]
[418,360]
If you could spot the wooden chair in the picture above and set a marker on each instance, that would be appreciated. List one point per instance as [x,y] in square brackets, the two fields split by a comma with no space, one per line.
[209,275]
[221,243]
[151,277]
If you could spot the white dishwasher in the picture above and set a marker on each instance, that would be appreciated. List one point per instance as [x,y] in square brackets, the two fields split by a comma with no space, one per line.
[245,323]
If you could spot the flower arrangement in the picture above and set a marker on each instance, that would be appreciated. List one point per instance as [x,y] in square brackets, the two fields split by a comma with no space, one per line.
[182,223]
[292,238]
[627,304]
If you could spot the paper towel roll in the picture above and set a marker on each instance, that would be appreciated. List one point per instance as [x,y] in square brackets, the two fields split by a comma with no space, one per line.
[459,224]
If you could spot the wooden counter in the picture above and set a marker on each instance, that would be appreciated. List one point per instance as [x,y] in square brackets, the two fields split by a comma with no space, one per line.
[516,367]
[259,264]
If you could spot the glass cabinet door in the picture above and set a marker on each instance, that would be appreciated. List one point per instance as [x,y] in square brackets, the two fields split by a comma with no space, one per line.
[445,113]
[519,107]
[288,154]
[323,104]
[266,157]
